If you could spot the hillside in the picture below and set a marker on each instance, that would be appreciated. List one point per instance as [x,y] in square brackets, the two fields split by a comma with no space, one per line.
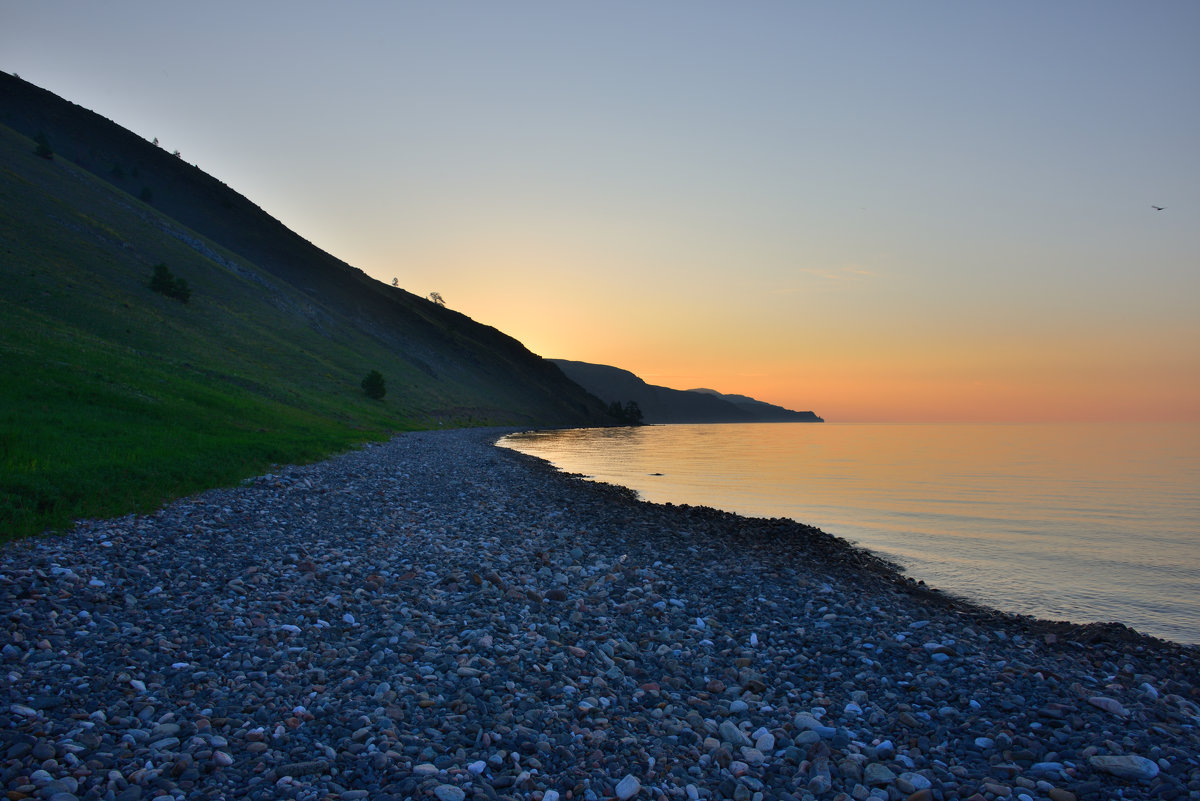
[116,397]
[665,405]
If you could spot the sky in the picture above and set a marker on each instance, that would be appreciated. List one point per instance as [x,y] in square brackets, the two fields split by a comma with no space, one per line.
[879,211]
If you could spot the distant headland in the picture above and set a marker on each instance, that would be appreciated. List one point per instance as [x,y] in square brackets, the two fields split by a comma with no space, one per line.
[665,405]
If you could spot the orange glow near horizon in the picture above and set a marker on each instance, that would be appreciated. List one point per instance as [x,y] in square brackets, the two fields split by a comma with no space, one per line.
[881,372]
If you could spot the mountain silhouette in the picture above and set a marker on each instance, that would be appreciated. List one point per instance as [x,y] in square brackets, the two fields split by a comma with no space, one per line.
[665,405]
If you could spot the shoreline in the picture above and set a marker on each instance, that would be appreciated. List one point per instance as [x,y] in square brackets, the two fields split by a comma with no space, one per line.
[439,617]
[864,559]
[1042,521]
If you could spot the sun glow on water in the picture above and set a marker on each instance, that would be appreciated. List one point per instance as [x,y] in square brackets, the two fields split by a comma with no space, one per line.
[1085,522]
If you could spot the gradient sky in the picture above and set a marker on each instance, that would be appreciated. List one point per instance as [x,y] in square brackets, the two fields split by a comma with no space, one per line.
[878,211]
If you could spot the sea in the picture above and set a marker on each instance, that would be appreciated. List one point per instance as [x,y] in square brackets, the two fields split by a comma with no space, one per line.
[1081,522]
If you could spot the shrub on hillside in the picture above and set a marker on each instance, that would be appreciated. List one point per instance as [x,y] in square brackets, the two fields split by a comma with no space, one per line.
[628,415]
[169,284]
[43,148]
[373,385]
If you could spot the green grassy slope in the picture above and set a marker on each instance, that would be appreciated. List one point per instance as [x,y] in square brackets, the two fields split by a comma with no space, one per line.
[115,398]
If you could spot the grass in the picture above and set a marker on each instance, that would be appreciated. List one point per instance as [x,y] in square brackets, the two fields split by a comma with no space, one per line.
[97,431]
[115,399]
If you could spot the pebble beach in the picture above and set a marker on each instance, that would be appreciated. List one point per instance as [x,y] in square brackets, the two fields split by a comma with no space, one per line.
[438,618]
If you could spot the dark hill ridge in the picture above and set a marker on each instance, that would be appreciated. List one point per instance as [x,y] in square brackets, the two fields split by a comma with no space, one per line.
[766,412]
[454,363]
[665,405]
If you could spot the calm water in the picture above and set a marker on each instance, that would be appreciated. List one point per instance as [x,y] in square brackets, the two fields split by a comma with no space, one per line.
[1076,522]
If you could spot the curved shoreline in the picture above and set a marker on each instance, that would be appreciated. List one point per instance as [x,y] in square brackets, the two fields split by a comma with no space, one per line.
[439,617]
[862,558]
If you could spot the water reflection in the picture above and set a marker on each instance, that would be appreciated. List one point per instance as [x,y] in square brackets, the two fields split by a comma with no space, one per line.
[1085,522]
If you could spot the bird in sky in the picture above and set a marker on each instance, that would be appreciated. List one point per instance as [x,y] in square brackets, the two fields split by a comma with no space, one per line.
[1157,208]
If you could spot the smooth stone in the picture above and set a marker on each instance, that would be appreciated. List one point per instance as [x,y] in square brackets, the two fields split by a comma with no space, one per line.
[752,756]
[806,721]
[165,730]
[448,792]
[877,774]
[1110,705]
[626,788]
[1043,768]
[914,782]
[808,737]
[1127,766]
[731,734]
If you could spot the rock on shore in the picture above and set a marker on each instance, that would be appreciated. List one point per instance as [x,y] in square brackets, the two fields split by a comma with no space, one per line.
[436,618]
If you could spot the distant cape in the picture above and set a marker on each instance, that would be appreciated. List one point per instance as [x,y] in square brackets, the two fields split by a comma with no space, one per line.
[665,405]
